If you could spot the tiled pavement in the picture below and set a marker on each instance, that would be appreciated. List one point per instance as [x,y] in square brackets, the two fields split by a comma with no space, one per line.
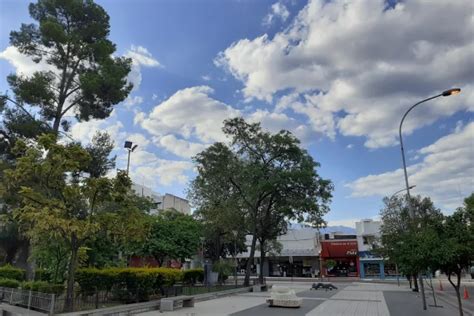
[349,300]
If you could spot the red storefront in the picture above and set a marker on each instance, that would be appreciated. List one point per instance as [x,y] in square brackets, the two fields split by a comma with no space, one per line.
[340,258]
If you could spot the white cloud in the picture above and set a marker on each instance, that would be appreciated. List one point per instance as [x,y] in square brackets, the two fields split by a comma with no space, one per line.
[180,147]
[23,64]
[138,139]
[141,57]
[350,146]
[206,78]
[190,112]
[131,101]
[84,131]
[146,167]
[275,122]
[446,172]
[278,11]
[357,66]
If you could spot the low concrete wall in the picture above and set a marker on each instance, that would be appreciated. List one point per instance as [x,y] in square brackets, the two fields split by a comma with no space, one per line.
[10,310]
[131,309]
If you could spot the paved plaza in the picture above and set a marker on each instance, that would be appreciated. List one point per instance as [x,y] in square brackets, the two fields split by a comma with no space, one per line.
[365,299]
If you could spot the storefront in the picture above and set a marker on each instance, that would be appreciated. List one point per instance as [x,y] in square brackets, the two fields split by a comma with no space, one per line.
[374,267]
[339,258]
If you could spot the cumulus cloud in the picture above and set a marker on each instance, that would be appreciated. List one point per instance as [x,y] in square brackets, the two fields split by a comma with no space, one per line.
[190,112]
[138,139]
[278,12]
[146,167]
[356,66]
[446,172]
[131,101]
[141,57]
[180,147]
[23,64]
[84,131]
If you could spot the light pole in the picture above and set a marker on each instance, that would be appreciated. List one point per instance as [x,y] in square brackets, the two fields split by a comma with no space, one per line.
[391,197]
[130,147]
[410,207]
[235,234]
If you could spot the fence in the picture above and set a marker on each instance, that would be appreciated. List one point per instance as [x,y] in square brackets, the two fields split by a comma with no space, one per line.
[51,304]
[29,299]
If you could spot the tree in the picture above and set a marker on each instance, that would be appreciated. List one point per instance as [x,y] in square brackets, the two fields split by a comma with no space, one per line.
[59,201]
[99,150]
[411,243]
[266,179]
[171,235]
[457,244]
[71,37]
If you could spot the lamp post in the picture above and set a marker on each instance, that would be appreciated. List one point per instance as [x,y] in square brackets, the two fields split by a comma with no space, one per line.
[130,147]
[410,207]
[235,234]
[391,197]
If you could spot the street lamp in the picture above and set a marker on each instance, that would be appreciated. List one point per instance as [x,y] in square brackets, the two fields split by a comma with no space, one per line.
[410,207]
[235,233]
[130,147]
[399,191]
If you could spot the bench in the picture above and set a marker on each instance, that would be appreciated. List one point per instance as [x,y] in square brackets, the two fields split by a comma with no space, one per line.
[259,288]
[171,303]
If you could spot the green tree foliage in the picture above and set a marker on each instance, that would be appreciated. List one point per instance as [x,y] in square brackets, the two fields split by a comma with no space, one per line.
[411,243]
[266,179]
[58,200]
[99,150]
[170,235]
[72,38]
[457,245]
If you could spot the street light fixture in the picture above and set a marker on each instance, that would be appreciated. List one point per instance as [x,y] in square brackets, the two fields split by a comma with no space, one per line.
[131,148]
[410,207]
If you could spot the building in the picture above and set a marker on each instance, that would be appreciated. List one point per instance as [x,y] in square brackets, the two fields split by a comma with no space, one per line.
[371,264]
[163,202]
[339,255]
[298,256]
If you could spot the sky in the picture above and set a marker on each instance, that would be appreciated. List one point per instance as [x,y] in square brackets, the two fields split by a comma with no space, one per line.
[337,74]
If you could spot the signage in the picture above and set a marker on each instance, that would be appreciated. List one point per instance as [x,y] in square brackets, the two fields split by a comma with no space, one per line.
[339,248]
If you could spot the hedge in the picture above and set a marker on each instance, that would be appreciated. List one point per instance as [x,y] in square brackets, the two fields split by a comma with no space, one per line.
[127,284]
[44,287]
[9,283]
[10,272]
[193,276]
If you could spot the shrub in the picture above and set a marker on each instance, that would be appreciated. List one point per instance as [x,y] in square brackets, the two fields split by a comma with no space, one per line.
[224,269]
[9,283]
[42,275]
[43,286]
[10,272]
[127,284]
[193,276]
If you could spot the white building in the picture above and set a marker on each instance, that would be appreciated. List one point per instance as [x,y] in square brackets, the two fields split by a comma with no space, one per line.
[368,234]
[372,265]
[163,202]
[299,255]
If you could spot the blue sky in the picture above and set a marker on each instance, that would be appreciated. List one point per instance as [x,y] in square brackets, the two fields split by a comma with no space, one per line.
[339,74]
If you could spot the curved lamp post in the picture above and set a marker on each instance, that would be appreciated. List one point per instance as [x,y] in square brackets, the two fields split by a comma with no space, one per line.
[412,213]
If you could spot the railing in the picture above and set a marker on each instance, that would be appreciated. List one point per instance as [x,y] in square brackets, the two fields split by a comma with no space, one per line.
[51,304]
[28,299]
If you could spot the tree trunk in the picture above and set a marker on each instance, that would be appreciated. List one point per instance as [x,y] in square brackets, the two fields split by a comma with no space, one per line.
[415,282]
[262,261]
[457,289]
[69,304]
[250,260]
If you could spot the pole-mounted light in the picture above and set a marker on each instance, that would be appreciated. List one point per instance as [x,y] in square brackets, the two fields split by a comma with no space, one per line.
[131,148]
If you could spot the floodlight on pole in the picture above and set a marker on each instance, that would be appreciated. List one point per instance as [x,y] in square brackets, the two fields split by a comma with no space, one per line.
[130,147]
[445,93]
